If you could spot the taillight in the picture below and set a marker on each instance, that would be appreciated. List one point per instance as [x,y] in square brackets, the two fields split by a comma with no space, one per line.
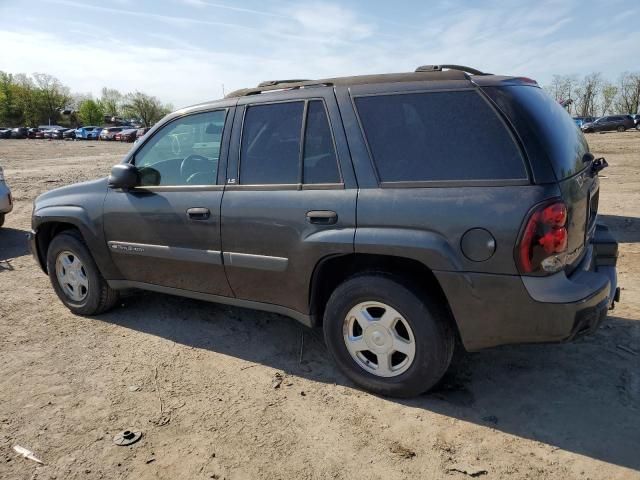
[543,243]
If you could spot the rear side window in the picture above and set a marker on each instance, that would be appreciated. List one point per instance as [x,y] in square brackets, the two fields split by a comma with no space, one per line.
[320,162]
[438,136]
[275,150]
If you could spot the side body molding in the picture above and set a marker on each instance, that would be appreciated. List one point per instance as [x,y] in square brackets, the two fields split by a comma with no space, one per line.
[163,251]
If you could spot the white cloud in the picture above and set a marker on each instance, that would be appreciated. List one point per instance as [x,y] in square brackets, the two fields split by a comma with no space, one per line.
[188,62]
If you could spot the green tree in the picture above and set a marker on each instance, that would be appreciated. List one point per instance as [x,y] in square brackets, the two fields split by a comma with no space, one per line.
[144,107]
[91,113]
[52,96]
[10,113]
[26,101]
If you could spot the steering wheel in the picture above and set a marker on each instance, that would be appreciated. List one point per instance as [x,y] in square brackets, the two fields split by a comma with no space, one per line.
[192,165]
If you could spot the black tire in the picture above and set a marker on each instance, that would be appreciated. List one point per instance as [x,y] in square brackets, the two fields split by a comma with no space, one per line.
[100,297]
[621,128]
[427,317]
[1,219]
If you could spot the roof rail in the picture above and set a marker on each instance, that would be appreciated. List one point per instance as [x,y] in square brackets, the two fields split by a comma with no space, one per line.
[278,85]
[438,68]
[270,83]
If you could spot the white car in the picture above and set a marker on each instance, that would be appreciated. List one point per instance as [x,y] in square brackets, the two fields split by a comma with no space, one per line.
[6,202]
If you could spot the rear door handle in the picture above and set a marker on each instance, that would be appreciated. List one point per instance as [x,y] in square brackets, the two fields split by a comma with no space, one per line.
[322,217]
[198,213]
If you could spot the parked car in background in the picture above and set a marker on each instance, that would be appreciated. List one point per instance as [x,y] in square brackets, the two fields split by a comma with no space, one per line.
[69,134]
[354,206]
[609,123]
[636,120]
[5,132]
[109,133]
[6,201]
[57,133]
[31,132]
[579,121]
[19,132]
[88,132]
[141,133]
[49,130]
[127,135]
[39,133]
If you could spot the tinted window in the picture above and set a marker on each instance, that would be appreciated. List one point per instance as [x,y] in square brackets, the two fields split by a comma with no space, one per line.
[547,124]
[320,162]
[183,152]
[438,136]
[270,149]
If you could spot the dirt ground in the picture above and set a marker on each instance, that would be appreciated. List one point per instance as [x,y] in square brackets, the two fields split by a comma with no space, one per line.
[197,378]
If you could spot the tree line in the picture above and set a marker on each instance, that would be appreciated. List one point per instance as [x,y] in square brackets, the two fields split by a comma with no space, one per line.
[593,95]
[42,99]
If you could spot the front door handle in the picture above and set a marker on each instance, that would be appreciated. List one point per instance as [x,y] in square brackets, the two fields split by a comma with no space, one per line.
[322,217]
[198,213]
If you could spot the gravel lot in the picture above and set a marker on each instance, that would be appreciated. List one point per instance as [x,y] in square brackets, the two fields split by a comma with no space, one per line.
[197,378]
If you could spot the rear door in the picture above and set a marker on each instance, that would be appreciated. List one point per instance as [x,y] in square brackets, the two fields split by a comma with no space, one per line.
[166,231]
[290,198]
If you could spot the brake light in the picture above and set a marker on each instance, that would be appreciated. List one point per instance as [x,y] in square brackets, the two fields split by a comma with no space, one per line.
[543,244]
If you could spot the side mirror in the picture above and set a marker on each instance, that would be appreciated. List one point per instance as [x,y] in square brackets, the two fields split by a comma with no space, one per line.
[124,176]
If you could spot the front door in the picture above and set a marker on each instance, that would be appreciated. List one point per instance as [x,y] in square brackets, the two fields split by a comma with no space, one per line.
[166,231]
[290,198]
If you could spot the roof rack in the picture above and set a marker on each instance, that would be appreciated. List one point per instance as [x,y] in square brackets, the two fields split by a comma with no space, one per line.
[278,85]
[439,68]
[270,83]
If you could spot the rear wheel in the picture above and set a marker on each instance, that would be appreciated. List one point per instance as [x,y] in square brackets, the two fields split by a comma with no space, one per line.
[1,219]
[386,337]
[75,276]
[621,128]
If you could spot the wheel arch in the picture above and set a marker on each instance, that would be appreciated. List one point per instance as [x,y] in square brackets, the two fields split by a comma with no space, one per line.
[51,221]
[332,271]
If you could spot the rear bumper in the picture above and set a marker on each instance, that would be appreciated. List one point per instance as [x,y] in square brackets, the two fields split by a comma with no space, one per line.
[493,310]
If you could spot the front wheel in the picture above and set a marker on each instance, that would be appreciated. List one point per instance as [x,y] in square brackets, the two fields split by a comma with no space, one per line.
[75,276]
[387,337]
[621,128]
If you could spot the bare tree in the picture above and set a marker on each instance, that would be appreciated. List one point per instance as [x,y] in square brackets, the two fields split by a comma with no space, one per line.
[628,100]
[587,95]
[111,101]
[608,92]
[562,89]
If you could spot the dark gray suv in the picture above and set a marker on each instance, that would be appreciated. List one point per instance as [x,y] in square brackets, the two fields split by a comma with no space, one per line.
[357,204]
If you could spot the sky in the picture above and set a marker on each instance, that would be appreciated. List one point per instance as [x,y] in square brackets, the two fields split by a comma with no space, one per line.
[188,51]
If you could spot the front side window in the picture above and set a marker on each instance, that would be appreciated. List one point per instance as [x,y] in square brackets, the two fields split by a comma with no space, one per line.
[184,152]
[438,136]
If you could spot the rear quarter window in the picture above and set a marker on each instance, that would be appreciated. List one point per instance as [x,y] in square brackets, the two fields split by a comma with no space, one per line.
[547,124]
[438,136]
